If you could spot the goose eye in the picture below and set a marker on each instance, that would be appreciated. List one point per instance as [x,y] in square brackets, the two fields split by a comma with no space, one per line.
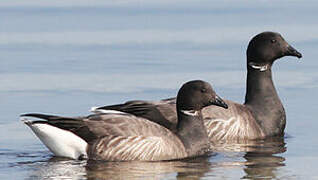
[203,90]
[273,41]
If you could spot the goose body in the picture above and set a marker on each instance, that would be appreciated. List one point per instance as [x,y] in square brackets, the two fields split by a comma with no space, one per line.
[125,137]
[261,116]
[233,123]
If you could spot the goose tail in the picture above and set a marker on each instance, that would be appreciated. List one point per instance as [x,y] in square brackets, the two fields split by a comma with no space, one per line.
[60,142]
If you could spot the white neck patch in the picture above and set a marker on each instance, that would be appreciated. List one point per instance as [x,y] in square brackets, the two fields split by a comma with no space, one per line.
[190,112]
[258,67]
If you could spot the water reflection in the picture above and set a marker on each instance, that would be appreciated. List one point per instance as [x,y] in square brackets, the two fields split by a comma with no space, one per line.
[262,165]
[194,168]
[272,145]
[56,168]
[253,159]
[262,157]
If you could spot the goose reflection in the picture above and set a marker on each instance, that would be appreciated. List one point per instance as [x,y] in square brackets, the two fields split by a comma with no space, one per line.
[262,165]
[262,157]
[272,145]
[188,168]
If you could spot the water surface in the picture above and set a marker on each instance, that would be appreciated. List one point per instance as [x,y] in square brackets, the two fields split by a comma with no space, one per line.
[64,57]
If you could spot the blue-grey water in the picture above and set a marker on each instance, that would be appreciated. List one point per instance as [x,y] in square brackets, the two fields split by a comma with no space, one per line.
[63,57]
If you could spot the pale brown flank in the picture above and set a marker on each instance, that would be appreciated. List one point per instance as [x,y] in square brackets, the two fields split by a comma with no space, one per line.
[127,138]
[233,123]
[150,148]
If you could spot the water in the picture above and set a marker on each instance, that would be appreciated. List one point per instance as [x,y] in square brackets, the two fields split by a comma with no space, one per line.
[64,57]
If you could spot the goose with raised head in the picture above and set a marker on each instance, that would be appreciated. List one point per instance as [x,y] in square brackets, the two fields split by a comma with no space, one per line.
[125,137]
[261,116]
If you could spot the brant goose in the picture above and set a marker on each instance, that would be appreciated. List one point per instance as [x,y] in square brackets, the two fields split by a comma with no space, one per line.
[262,115]
[125,137]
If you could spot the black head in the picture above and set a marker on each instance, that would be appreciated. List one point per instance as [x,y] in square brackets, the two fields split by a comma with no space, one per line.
[197,94]
[266,47]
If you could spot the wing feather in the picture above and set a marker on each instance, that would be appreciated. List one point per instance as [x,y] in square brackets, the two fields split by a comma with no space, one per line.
[124,125]
[162,112]
[97,126]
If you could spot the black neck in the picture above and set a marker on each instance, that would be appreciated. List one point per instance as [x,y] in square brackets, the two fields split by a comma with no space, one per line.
[262,99]
[193,134]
